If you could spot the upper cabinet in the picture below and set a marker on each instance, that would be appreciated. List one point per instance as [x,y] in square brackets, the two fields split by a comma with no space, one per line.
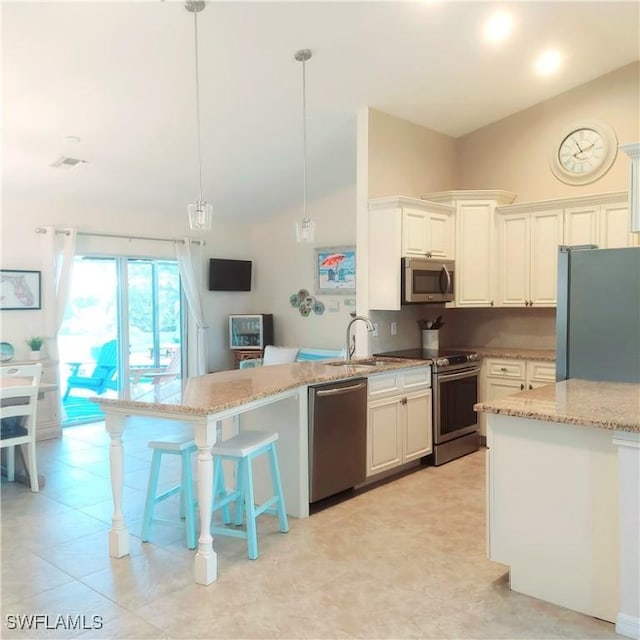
[398,227]
[475,243]
[529,236]
[527,257]
[602,221]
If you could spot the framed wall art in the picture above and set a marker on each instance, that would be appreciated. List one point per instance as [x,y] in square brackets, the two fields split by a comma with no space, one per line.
[19,289]
[335,270]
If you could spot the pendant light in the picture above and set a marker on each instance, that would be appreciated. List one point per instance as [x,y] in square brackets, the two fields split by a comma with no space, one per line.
[305,228]
[200,211]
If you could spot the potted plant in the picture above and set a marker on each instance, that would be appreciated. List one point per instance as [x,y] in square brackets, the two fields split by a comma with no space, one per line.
[35,342]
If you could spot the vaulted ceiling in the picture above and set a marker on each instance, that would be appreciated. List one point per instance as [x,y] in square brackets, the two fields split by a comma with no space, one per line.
[120,76]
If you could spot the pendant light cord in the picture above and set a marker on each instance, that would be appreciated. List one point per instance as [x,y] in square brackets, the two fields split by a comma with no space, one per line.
[304,140]
[195,19]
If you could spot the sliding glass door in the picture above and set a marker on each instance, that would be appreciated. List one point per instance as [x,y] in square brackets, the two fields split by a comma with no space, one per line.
[121,335]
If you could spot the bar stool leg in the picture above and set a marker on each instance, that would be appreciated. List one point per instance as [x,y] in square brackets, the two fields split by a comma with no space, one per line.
[250,508]
[219,489]
[152,489]
[188,500]
[240,485]
[277,488]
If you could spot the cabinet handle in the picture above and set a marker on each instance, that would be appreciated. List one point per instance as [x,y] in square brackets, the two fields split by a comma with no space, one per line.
[491,303]
[403,401]
[503,368]
[522,387]
[530,387]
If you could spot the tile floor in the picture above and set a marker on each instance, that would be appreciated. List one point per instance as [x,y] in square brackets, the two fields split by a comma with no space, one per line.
[405,560]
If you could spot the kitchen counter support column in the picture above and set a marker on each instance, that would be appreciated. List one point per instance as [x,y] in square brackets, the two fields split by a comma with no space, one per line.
[628,618]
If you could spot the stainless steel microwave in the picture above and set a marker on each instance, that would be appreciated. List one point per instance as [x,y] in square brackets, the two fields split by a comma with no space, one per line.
[427,280]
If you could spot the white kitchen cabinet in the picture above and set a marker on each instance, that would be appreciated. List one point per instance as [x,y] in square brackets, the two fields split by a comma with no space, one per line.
[528,257]
[475,243]
[502,377]
[601,220]
[399,419]
[400,226]
[427,233]
[614,227]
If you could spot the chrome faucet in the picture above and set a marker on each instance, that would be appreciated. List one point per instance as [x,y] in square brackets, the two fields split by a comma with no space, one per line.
[348,352]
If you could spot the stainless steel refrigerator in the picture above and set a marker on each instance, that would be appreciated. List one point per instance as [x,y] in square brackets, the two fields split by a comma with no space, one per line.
[598,314]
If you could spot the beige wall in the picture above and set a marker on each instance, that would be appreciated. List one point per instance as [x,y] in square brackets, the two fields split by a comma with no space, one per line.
[283,267]
[509,328]
[407,159]
[513,154]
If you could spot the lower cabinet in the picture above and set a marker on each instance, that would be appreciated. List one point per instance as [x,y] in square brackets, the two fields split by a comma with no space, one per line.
[502,377]
[399,419]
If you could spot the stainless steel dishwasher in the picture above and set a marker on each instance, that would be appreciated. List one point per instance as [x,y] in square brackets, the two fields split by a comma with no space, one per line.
[337,437]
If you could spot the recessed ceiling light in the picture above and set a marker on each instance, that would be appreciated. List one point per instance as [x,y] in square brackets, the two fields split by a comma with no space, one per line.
[71,139]
[548,62]
[498,27]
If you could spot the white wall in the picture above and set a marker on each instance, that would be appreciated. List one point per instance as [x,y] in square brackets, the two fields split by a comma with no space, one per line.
[21,250]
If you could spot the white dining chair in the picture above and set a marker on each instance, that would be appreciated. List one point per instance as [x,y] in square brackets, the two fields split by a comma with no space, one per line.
[19,386]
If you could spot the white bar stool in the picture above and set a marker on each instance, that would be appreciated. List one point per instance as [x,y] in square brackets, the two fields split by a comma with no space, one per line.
[243,449]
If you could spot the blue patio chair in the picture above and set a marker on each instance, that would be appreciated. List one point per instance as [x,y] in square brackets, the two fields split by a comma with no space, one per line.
[103,375]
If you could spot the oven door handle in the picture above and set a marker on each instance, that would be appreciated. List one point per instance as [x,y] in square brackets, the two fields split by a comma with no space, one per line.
[457,375]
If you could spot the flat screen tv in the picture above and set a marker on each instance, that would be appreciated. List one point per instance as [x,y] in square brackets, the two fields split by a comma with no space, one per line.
[229,275]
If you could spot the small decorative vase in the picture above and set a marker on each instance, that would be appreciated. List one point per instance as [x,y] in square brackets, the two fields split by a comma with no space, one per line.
[35,355]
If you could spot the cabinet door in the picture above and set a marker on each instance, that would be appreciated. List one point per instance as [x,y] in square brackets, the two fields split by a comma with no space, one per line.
[581,225]
[439,235]
[615,227]
[513,261]
[384,438]
[417,432]
[546,237]
[540,374]
[415,237]
[475,262]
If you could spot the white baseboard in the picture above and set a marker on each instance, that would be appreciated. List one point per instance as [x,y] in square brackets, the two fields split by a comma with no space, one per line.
[628,626]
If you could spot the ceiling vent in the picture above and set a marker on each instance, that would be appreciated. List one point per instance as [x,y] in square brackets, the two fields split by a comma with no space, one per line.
[64,162]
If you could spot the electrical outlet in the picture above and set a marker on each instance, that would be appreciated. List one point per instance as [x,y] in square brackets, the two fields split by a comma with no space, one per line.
[374,333]
[394,328]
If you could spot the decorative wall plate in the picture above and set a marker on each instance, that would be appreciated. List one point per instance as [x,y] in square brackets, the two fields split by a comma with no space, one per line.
[6,351]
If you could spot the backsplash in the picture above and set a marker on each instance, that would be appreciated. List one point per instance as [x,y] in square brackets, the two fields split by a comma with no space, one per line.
[522,328]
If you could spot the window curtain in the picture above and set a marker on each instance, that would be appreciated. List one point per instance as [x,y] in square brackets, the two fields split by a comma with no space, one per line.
[58,248]
[190,265]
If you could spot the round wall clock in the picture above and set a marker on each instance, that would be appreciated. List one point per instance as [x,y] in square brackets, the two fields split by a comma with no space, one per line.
[584,152]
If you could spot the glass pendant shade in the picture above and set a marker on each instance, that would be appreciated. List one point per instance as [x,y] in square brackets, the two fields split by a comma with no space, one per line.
[305,230]
[200,216]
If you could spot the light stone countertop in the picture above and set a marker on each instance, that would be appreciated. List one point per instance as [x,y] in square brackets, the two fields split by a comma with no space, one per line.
[514,353]
[605,405]
[214,392]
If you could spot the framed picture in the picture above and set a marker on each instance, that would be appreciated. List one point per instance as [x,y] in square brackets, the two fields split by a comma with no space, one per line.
[335,269]
[19,289]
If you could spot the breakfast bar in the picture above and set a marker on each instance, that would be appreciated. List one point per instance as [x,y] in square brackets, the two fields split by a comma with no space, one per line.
[563,496]
[273,397]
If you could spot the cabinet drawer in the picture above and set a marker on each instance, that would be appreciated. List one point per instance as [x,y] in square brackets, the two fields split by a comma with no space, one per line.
[506,368]
[416,379]
[384,384]
[541,371]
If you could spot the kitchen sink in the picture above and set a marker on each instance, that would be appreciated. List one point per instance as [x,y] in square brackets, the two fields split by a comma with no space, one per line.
[364,363]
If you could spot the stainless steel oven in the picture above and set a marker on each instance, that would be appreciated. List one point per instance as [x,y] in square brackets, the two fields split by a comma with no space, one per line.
[455,391]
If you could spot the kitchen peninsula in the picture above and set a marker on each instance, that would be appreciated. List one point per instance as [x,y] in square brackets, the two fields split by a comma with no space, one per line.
[563,496]
[273,397]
